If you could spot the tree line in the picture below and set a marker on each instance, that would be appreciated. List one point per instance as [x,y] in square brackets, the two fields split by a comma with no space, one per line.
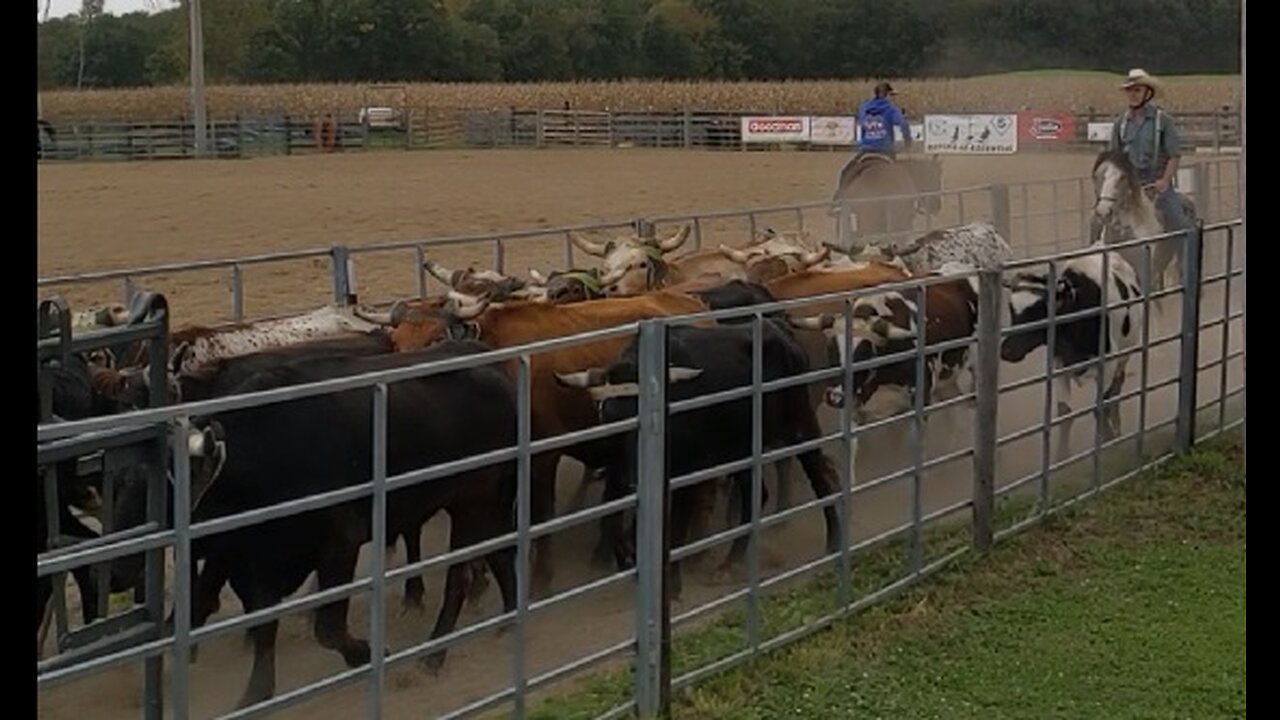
[252,41]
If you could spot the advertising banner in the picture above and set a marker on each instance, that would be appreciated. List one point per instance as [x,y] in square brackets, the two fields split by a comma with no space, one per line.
[832,130]
[775,129]
[1046,126]
[971,134]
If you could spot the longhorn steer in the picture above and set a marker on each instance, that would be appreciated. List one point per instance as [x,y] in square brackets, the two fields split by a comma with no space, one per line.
[977,244]
[636,264]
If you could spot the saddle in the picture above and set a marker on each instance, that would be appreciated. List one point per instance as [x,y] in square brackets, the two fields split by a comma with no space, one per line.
[856,166]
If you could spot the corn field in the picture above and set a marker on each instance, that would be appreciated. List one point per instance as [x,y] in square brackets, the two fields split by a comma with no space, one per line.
[1071,92]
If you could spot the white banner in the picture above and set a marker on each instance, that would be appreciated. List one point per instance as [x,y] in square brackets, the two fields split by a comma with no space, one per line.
[1100,132]
[971,134]
[775,129]
[832,130]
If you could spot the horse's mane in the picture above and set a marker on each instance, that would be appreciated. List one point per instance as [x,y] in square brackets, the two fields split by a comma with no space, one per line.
[1121,160]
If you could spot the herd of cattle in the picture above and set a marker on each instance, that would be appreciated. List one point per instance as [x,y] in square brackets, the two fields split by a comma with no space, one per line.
[264,455]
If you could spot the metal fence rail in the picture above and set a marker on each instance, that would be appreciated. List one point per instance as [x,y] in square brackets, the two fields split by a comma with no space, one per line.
[871,561]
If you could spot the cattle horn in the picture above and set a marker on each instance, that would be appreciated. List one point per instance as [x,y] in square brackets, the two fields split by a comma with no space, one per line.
[586,246]
[392,317]
[376,318]
[538,278]
[681,374]
[813,258]
[676,240]
[816,322]
[438,271]
[611,278]
[593,377]
[734,254]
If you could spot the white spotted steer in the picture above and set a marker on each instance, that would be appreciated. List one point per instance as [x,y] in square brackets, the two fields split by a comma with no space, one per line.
[976,244]
[1079,288]
[197,350]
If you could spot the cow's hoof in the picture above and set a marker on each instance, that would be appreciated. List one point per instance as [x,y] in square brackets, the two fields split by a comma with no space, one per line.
[357,653]
[411,605]
[432,663]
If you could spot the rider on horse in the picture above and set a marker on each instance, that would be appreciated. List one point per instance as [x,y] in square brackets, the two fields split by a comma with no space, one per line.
[1148,135]
[876,120]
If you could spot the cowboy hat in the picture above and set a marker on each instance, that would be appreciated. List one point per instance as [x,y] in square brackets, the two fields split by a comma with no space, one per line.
[1139,77]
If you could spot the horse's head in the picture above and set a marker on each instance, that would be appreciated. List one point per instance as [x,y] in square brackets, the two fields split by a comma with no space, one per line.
[1116,184]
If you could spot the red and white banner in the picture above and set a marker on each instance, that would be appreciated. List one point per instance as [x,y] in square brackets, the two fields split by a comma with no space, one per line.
[1046,126]
[775,129]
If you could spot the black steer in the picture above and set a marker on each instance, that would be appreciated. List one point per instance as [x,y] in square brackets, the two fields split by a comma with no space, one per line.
[705,360]
[284,451]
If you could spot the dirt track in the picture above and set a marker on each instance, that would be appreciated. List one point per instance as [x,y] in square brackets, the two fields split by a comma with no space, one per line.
[112,216]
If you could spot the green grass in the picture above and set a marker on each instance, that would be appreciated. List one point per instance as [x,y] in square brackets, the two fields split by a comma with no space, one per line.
[1127,605]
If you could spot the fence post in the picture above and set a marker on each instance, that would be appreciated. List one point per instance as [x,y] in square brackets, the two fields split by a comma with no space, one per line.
[1203,186]
[1193,255]
[288,135]
[844,225]
[538,130]
[1000,215]
[340,266]
[645,229]
[688,129]
[653,547]
[987,388]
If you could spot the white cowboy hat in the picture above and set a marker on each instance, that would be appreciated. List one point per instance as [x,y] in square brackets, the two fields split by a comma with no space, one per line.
[1138,76]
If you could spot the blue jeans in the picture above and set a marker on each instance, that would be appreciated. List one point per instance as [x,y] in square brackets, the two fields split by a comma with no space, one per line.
[1171,212]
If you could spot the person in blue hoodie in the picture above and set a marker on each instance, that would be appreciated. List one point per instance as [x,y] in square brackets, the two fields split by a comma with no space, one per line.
[876,120]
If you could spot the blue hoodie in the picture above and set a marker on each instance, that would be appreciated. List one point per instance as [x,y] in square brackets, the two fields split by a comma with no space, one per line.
[877,118]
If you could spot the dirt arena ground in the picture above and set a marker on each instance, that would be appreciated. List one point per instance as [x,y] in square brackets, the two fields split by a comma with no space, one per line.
[114,216]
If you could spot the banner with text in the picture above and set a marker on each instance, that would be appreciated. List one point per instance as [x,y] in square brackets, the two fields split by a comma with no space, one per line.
[1046,126]
[1100,131]
[971,134]
[775,129]
[832,130]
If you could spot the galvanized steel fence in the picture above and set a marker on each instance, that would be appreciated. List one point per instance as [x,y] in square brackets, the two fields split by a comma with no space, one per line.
[644,638]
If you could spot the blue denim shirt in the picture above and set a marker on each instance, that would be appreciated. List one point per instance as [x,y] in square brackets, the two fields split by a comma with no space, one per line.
[1137,137]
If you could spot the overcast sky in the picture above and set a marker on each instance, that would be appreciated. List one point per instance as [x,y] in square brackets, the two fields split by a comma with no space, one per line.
[59,8]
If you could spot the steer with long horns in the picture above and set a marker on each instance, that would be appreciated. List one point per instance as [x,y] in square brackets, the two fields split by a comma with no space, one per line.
[634,265]
[477,283]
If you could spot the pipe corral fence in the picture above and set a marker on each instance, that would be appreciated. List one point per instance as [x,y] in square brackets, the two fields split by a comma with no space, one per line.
[251,134]
[971,471]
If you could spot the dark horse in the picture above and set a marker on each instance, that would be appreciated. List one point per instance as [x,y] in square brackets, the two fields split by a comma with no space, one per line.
[872,175]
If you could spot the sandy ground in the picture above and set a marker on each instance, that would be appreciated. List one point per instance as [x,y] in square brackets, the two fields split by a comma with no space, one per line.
[105,217]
